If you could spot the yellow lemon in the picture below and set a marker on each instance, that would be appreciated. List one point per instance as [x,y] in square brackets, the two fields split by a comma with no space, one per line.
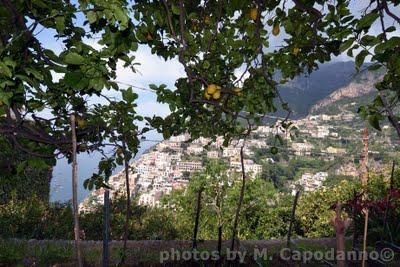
[207,19]
[207,96]
[296,51]
[217,95]
[81,123]
[211,89]
[276,30]
[254,13]
[237,89]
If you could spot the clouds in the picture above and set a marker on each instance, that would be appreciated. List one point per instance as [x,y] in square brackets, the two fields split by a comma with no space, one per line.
[152,70]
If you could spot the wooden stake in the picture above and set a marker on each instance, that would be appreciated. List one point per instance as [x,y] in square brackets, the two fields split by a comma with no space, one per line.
[128,201]
[75,193]
[340,226]
[239,205]
[364,182]
[292,218]
[197,218]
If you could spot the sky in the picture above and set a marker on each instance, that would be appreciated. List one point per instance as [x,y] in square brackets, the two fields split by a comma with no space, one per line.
[152,70]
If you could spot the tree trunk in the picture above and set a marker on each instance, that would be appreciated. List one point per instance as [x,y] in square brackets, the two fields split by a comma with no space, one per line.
[75,193]
[239,205]
[106,227]
[219,247]
[197,219]
[340,226]
[128,202]
[354,217]
[219,244]
[364,182]
[292,217]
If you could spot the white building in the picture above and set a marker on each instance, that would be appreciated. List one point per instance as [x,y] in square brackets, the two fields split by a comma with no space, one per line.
[230,152]
[195,150]
[302,149]
[310,182]
[189,166]
[213,154]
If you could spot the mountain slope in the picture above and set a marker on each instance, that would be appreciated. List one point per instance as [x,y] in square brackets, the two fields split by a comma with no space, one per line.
[305,91]
[362,86]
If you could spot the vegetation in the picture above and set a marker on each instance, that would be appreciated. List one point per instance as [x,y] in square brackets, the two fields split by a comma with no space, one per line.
[265,214]
[231,81]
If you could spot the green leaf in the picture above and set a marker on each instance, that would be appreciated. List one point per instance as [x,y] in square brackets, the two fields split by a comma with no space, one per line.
[60,23]
[50,54]
[35,73]
[72,78]
[153,87]
[369,40]
[128,95]
[120,15]
[92,17]
[37,163]
[346,45]
[73,58]
[5,97]
[85,183]
[392,42]
[367,20]
[4,69]
[40,3]
[176,10]
[360,58]
[362,110]
[22,166]
[374,121]
[391,29]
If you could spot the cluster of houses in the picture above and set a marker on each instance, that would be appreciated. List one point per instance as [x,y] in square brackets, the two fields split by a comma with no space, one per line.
[166,166]
[170,163]
[309,182]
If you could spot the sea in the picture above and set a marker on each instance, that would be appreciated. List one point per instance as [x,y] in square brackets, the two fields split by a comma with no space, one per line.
[61,183]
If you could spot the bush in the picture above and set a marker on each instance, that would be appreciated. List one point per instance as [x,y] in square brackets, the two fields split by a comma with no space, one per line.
[36,219]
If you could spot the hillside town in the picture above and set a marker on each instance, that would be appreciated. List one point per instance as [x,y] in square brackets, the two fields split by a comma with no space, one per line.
[169,164]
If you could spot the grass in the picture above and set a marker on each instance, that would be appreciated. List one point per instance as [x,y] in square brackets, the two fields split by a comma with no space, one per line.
[60,253]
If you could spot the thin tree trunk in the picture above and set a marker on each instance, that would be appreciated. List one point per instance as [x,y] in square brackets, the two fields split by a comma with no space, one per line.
[354,215]
[364,182]
[219,247]
[197,219]
[239,205]
[364,259]
[340,225]
[106,227]
[292,217]
[219,244]
[128,201]
[75,193]
[390,114]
